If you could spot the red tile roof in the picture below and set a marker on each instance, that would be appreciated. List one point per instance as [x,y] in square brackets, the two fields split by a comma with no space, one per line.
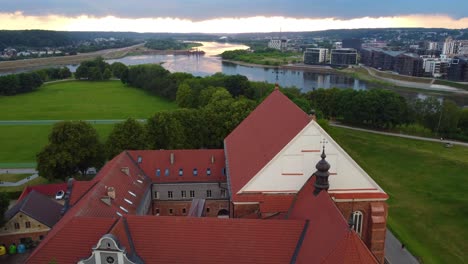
[71,242]
[79,188]
[111,175]
[276,203]
[265,132]
[349,251]
[328,231]
[187,160]
[214,240]
[45,189]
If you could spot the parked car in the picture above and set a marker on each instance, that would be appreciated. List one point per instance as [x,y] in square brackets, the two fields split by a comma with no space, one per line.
[59,195]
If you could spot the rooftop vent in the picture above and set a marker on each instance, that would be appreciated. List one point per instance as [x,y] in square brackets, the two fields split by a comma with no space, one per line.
[111,192]
[172,158]
[107,200]
[125,170]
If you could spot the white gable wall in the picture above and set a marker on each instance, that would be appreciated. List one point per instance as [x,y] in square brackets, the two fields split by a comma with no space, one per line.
[295,163]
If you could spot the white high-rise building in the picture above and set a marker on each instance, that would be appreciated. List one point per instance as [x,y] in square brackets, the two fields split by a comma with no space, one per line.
[315,56]
[450,47]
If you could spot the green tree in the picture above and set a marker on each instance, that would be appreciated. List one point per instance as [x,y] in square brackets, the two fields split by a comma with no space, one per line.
[129,135]
[184,96]
[4,203]
[107,74]
[449,117]
[165,131]
[73,147]
[118,69]
[463,121]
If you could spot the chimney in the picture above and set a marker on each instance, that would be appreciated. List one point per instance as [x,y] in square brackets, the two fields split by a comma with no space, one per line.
[111,192]
[321,175]
[312,115]
[172,158]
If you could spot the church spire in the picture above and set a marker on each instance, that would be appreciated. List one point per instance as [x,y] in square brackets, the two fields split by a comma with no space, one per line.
[321,175]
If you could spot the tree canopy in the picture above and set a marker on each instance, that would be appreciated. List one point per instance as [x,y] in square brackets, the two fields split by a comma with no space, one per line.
[73,148]
[129,135]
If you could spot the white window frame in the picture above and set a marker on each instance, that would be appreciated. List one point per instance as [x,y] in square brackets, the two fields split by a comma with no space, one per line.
[358,219]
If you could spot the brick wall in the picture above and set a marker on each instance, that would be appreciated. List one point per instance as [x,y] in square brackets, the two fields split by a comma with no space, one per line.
[245,210]
[212,207]
[374,223]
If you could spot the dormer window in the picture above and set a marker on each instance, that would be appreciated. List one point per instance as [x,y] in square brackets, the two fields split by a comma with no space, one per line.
[181,172]
[195,172]
[158,172]
[224,171]
[166,172]
[208,171]
[140,159]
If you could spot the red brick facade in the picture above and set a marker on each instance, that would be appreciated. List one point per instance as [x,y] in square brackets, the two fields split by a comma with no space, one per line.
[247,210]
[212,207]
[373,226]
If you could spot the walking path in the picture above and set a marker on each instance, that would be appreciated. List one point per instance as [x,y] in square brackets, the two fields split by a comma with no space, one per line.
[401,135]
[33,176]
[425,86]
[395,253]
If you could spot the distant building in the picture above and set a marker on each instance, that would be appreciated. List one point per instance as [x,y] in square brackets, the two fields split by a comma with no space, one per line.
[431,45]
[338,45]
[409,64]
[352,43]
[343,57]
[450,47]
[315,56]
[458,70]
[279,44]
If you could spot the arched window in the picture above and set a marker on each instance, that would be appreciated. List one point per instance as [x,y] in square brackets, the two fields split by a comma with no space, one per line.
[357,220]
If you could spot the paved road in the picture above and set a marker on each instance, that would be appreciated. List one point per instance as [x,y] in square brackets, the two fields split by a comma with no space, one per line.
[17,171]
[394,253]
[19,183]
[402,135]
[425,86]
[51,122]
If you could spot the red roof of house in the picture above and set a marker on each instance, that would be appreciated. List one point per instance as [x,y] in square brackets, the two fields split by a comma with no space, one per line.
[79,188]
[71,242]
[350,250]
[260,137]
[90,205]
[328,231]
[214,240]
[129,189]
[45,189]
[203,160]
[272,203]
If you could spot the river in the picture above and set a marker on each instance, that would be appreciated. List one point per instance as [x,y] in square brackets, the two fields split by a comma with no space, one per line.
[209,64]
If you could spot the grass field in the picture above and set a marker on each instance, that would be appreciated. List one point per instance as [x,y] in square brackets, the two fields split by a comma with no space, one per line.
[19,144]
[13,177]
[79,100]
[37,181]
[427,184]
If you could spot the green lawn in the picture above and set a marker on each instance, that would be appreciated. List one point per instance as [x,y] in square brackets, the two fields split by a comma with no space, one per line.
[427,184]
[13,177]
[19,144]
[80,100]
[37,181]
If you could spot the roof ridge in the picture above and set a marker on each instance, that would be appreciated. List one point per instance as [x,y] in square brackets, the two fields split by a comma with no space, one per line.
[300,241]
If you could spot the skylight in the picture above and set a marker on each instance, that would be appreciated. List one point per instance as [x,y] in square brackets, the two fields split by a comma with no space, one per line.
[132,194]
[123,209]
[128,201]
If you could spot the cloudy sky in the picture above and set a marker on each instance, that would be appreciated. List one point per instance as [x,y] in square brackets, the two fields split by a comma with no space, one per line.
[216,16]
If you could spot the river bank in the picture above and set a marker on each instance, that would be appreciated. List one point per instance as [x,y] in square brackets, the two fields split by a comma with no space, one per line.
[292,67]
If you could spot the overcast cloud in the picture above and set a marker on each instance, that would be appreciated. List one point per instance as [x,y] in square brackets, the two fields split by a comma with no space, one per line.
[210,9]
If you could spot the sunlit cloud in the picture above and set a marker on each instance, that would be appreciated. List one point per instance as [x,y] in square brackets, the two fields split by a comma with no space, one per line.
[18,20]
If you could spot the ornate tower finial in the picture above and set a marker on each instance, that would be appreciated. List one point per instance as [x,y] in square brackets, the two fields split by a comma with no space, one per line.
[322,174]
